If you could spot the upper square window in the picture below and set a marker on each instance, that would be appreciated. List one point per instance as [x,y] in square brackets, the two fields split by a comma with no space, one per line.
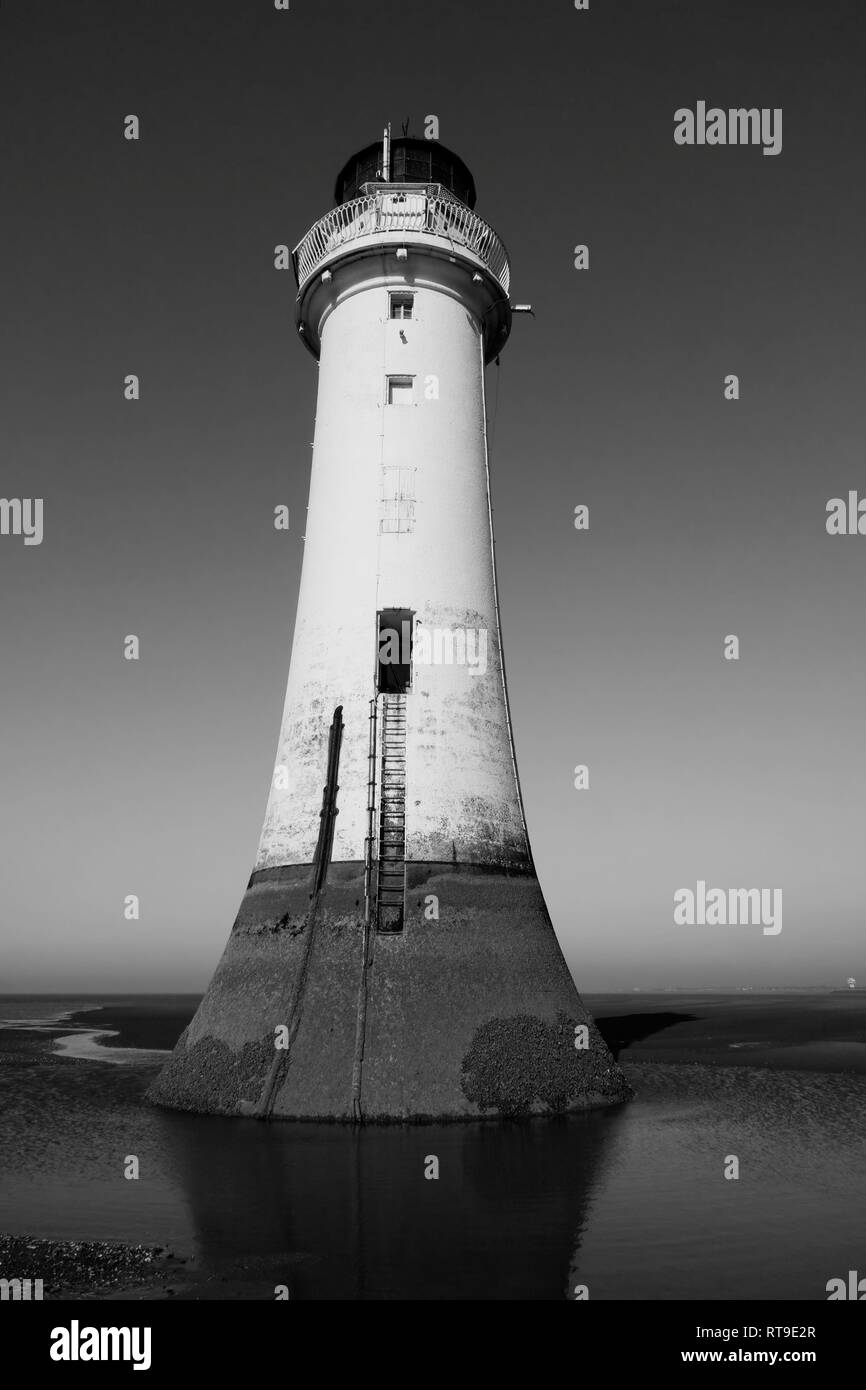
[400,390]
[401,306]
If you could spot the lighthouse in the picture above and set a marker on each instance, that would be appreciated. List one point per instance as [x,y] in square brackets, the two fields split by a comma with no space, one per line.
[393,957]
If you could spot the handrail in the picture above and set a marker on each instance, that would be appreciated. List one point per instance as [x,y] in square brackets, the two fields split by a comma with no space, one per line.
[433,211]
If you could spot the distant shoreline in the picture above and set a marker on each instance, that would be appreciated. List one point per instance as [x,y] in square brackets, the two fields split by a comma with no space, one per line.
[825,1032]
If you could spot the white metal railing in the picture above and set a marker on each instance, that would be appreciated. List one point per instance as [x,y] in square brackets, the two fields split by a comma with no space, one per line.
[434,211]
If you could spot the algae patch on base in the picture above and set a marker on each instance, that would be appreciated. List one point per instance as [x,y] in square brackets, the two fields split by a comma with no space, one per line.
[521,1064]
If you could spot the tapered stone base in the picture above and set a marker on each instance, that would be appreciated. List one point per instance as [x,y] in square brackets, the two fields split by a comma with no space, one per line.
[467,1014]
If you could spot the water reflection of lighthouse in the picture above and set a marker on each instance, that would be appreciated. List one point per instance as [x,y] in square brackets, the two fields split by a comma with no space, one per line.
[347,1214]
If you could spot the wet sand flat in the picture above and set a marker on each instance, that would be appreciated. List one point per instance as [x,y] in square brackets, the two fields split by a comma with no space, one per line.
[230,1209]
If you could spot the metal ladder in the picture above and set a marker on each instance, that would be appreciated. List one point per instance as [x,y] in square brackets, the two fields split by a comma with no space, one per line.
[392,819]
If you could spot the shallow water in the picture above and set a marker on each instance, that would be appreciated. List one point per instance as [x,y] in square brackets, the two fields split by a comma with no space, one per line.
[631,1202]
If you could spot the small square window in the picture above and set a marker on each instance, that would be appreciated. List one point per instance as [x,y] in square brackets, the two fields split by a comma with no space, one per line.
[401,306]
[400,390]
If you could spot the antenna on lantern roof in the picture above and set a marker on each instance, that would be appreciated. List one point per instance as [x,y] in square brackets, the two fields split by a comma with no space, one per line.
[386,153]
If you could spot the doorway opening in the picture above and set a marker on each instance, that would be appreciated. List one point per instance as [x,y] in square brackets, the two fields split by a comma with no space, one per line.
[394,651]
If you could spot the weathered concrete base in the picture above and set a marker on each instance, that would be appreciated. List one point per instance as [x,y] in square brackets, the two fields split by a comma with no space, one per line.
[469,1015]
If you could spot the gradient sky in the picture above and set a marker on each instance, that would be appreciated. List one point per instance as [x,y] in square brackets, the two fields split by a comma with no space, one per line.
[707,516]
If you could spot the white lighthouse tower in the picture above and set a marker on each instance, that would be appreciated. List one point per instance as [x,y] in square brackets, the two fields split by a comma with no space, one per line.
[393,957]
